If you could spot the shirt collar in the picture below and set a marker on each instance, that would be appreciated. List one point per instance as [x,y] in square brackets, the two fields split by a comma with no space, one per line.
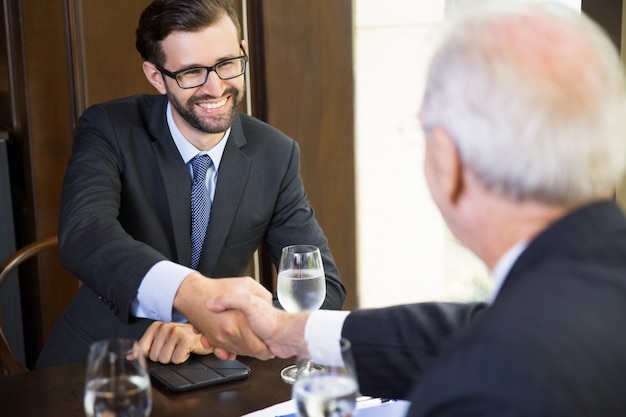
[187,150]
[503,267]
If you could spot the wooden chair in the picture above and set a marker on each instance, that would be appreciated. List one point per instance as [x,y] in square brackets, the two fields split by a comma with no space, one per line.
[260,268]
[9,364]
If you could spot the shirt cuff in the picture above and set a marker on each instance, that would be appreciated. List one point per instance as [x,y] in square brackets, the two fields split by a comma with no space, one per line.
[155,296]
[322,333]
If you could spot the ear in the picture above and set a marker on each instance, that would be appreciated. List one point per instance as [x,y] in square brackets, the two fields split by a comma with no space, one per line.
[244,45]
[447,164]
[154,77]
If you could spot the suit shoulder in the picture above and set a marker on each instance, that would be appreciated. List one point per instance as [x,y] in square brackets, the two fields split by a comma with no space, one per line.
[139,105]
[258,130]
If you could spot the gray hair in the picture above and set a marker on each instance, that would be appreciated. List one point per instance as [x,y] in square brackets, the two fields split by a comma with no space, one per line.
[534,98]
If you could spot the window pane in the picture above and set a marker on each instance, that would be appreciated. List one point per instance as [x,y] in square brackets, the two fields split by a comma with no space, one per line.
[405,251]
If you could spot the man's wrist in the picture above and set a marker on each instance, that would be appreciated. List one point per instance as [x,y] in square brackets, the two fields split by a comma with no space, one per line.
[188,291]
[292,334]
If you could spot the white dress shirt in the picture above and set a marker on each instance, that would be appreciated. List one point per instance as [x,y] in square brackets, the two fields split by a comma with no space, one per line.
[155,296]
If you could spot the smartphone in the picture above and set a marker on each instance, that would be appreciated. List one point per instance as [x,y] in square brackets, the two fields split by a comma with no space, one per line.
[198,371]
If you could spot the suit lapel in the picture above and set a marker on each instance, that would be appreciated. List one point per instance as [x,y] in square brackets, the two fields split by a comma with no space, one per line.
[176,179]
[233,175]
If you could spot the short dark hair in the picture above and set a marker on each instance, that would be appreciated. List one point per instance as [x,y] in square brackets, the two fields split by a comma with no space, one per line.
[163,17]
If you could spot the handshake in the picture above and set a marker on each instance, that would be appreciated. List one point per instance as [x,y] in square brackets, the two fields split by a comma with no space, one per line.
[230,317]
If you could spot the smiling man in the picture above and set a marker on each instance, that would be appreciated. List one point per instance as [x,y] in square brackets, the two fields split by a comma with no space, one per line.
[163,194]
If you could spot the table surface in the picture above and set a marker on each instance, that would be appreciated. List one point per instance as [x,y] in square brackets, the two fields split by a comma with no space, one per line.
[58,392]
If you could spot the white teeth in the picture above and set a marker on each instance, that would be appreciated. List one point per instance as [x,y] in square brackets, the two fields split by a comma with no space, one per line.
[213,105]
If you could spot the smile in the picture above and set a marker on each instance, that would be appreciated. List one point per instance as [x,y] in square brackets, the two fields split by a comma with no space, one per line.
[213,105]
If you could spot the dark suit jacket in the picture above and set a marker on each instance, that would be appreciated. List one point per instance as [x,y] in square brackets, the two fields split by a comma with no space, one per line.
[553,343]
[125,206]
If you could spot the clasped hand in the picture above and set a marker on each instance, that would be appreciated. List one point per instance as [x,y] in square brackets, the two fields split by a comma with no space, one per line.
[227,332]
[282,332]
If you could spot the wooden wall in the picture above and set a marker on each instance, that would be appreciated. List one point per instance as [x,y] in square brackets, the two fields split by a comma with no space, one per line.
[610,14]
[39,120]
[58,57]
[302,52]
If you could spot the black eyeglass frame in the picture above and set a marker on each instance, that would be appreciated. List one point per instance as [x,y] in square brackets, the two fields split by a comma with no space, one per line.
[174,74]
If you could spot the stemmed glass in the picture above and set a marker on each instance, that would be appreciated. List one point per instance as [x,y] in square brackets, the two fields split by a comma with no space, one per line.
[330,391]
[117,383]
[301,285]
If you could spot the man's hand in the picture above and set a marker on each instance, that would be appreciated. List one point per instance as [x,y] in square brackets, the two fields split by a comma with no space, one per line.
[227,331]
[171,342]
[283,332]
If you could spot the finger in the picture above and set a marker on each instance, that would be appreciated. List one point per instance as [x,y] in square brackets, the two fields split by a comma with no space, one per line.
[261,351]
[181,341]
[145,343]
[228,332]
[205,342]
[253,344]
[180,354]
[161,350]
[199,347]
[256,346]
[224,354]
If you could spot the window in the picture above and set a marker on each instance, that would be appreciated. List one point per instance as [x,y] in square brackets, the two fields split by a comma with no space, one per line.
[405,251]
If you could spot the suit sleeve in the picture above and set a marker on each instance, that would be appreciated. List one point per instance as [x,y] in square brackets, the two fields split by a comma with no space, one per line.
[393,346]
[294,222]
[93,244]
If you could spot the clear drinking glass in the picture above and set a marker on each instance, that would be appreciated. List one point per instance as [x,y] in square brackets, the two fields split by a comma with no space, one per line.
[301,285]
[117,383]
[330,391]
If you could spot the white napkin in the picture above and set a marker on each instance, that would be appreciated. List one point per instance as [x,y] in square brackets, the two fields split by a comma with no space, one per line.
[365,409]
[275,410]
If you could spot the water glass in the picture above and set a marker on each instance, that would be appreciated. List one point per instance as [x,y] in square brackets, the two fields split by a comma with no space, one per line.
[328,391]
[117,383]
[301,286]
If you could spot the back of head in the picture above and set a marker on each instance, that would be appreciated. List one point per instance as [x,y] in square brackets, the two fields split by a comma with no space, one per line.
[534,97]
[163,17]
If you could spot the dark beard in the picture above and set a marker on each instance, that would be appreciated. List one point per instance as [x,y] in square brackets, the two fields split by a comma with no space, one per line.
[215,124]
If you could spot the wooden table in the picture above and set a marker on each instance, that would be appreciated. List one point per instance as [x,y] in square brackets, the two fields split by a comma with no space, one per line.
[58,392]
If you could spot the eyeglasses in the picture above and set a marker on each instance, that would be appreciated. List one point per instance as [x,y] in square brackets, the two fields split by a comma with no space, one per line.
[197,76]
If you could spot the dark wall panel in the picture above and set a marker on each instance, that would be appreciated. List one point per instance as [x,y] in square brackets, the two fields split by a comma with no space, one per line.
[38,157]
[10,302]
[309,95]
[105,63]
[608,14]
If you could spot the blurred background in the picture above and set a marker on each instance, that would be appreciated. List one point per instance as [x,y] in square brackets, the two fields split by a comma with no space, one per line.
[405,251]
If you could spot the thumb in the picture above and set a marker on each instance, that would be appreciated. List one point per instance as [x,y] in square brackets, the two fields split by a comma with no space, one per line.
[205,343]
[225,355]
[215,305]
[229,302]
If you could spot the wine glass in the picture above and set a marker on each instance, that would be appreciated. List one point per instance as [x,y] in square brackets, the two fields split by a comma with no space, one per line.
[117,383]
[330,391]
[301,285]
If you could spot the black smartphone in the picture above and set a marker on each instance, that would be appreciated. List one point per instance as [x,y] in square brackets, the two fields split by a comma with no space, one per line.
[198,371]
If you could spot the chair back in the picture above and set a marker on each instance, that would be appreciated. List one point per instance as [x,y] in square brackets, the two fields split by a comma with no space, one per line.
[9,363]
